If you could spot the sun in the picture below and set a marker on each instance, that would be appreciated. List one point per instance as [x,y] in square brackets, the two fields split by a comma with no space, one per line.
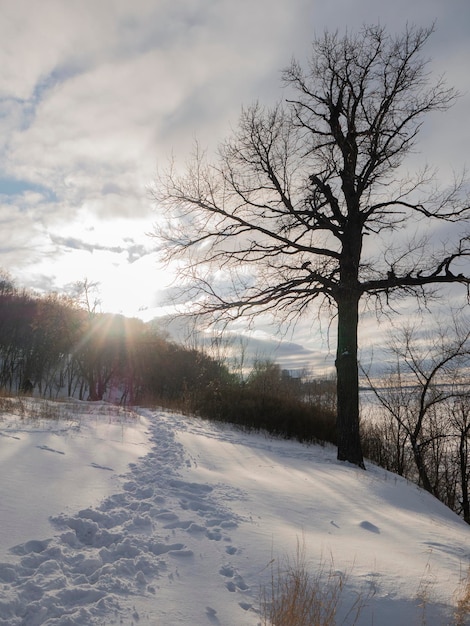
[115,256]
[131,289]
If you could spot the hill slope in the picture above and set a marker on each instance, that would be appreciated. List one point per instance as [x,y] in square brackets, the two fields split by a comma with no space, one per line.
[187,532]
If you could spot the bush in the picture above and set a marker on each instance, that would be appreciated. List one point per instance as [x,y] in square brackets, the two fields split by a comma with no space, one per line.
[280,415]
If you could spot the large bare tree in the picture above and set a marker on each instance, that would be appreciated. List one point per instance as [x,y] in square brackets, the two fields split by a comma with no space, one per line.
[279,219]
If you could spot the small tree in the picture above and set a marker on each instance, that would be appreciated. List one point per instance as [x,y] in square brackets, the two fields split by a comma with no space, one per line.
[281,219]
[426,395]
[459,420]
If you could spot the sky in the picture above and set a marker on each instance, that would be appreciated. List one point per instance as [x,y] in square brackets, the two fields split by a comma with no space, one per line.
[95,96]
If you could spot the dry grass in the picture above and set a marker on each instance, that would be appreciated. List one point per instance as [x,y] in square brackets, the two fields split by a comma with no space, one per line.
[12,405]
[296,597]
[27,407]
[459,615]
[424,595]
[462,602]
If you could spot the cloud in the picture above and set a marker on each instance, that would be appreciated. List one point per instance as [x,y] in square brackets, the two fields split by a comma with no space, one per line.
[94,95]
[110,85]
[132,251]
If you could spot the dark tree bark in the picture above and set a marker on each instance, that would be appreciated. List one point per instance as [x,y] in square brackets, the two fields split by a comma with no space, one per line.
[347,380]
[464,474]
[460,420]
[278,222]
[421,467]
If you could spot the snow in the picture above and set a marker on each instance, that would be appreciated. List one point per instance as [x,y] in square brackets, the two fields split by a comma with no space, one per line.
[61,464]
[140,517]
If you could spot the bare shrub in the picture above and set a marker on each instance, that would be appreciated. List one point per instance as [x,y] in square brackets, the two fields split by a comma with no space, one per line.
[12,405]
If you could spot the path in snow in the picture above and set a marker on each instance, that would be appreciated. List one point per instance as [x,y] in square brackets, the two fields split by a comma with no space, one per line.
[129,546]
[188,535]
[85,439]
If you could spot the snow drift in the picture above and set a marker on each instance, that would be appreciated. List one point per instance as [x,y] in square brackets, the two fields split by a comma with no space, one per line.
[110,516]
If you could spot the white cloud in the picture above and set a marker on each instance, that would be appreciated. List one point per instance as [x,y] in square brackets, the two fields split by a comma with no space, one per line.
[95,94]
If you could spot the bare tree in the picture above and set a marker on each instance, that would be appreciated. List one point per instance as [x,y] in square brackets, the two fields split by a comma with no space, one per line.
[280,219]
[460,422]
[86,295]
[427,392]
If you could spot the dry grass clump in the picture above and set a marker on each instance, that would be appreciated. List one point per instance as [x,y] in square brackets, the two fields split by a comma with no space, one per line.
[462,602]
[12,405]
[296,597]
[26,407]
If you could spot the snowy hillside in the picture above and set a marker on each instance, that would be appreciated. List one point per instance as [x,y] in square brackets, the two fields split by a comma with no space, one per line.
[116,517]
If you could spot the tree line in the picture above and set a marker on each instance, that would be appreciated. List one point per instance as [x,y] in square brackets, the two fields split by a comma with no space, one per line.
[57,346]
[52,345]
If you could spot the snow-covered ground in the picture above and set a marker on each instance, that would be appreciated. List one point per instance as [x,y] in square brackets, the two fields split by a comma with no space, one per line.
[144,517]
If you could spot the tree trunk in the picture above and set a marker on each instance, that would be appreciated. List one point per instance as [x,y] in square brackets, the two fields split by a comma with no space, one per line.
[421,467]
[93,395]
[463,457]
[347,376]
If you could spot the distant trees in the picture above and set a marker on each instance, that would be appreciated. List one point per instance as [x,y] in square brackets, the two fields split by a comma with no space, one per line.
[267,398]
[52,338]
[16,339]
[55,345]
[458,417]
[302,204]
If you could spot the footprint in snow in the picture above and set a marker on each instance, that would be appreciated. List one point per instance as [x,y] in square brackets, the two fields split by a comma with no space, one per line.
[212,615]
[47,449]
[226,570]
[370,527]
[236,583]
[9,436]
[34,546]
[102,467]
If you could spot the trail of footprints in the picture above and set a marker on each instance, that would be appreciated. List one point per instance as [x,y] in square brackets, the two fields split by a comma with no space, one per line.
[121,548]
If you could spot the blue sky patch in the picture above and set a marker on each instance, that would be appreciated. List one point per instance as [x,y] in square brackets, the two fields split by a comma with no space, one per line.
[15,187]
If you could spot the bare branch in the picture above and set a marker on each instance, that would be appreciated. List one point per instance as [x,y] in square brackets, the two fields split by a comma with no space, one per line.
[279,221]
